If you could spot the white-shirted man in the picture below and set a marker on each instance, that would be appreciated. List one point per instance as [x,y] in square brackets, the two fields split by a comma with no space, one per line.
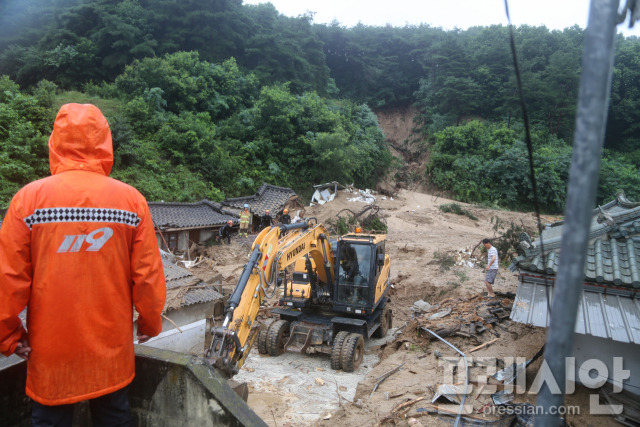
[492,266]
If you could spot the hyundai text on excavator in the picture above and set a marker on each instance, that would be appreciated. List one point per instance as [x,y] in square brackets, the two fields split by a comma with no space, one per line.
[336,296]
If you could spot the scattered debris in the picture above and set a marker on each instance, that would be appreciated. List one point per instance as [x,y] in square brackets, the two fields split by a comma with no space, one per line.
[421,306]
[365,196]
[510,373]
[414,423]
[323,193]
[440,314]
[464,258]
[407,403]
[482,345]
[502,397]
[450,392]
[467,317]
[385,376]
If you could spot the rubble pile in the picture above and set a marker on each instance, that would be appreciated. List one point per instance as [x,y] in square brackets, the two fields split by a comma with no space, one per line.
[465,258]
[466,317]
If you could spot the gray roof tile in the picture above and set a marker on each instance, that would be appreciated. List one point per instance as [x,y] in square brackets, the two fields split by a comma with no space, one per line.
[201,294]
[198,291]
[177,276]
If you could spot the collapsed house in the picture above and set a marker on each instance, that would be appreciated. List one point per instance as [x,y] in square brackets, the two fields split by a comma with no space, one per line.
[608,318]
[268,196]
[179,225]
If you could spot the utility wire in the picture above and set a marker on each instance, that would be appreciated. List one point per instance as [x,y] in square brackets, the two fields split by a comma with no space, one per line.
[532,172]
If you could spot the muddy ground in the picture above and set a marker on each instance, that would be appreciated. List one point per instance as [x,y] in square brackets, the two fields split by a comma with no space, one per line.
[294,390]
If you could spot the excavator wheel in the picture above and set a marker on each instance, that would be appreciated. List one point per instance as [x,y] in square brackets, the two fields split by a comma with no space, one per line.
[262,341]
[263,336]
[336,350]
[385,323]
[276,337]
[352,352]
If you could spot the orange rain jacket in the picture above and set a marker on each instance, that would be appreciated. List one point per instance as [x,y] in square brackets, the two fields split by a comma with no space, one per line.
[79,249]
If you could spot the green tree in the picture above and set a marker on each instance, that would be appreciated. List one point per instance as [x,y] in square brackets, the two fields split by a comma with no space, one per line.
[26,124]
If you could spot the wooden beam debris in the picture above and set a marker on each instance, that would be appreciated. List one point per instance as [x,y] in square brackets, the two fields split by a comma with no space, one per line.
[385,376]
[482,345]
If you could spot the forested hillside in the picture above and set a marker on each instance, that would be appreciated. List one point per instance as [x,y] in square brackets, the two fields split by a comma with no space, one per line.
[208,98]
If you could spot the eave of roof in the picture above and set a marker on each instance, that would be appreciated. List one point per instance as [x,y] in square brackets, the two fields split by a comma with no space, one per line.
[600,314]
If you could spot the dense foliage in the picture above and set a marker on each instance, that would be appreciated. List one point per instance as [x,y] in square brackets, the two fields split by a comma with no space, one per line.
[185,129]
[25,123]
[211,97]
[487,163]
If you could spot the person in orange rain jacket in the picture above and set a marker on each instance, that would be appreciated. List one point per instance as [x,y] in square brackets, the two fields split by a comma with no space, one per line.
[78,249]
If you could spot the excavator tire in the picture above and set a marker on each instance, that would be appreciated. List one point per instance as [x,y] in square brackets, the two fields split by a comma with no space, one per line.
[262,341]
[352,352]
[385,323]
[263,336]
[276,337]
[336,350]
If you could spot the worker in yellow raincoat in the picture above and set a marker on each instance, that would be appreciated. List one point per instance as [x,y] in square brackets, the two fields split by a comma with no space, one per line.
[245,219]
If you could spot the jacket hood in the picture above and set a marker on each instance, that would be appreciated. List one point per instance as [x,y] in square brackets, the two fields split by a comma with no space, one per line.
[81,140]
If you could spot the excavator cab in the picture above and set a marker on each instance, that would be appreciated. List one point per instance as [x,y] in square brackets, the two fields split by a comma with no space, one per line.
[354,272]
[362,276]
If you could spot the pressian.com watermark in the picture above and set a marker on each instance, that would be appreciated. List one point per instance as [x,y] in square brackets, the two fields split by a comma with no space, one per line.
[592,373]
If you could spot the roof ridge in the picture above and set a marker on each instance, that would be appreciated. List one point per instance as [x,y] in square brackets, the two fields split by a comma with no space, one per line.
[276,187]
[199,203]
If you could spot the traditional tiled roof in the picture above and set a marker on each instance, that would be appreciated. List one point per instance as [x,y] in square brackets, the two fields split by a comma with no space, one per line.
[190,215]
[267,197]
[186,287]
[177,276]
[613,254]
[609,305]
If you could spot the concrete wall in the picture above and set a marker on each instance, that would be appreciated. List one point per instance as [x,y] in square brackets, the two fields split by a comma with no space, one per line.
[192,322]
[169,389]
[189,339]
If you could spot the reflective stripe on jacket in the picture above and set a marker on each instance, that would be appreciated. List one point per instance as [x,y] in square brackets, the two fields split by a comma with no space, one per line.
[79,250]
[244,217]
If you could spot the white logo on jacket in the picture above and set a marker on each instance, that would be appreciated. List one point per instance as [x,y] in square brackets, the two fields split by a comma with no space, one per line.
[73,243]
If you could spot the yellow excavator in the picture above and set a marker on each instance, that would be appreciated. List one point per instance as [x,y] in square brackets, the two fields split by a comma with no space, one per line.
[336,295]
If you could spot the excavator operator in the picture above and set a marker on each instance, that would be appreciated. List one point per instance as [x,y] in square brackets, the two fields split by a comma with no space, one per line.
[349,263]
